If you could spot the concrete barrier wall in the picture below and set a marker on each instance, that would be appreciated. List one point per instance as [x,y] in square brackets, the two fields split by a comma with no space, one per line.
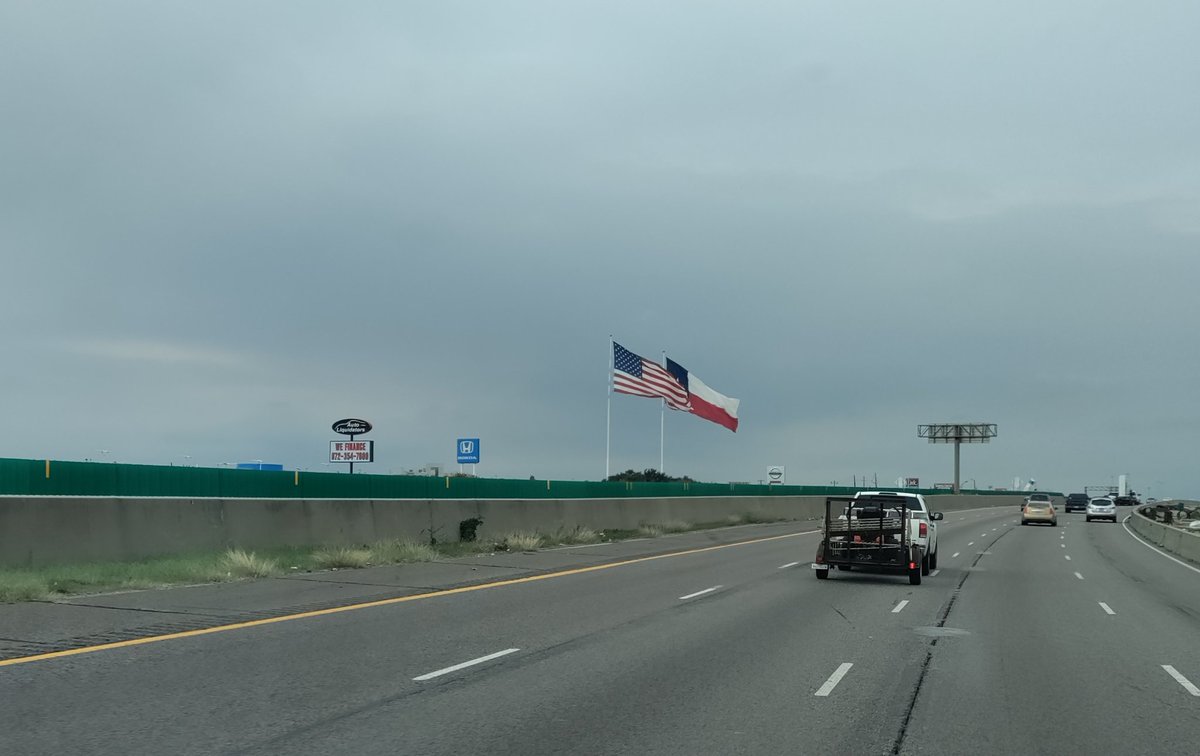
[37,531]
[1182,543]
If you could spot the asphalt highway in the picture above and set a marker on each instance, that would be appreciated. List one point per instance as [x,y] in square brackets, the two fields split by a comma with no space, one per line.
[1028,640]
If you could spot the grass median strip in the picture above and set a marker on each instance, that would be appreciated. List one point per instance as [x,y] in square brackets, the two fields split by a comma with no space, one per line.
[56,581]
[389,601]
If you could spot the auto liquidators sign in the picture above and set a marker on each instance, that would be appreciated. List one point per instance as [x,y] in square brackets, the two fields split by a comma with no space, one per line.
[353,450]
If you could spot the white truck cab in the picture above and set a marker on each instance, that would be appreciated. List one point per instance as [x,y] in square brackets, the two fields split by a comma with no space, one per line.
[922,525]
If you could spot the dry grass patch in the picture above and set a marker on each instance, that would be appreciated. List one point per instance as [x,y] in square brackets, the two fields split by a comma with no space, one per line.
[400,551]
[577,535]
[21,586]
[676,526]
[650,530]
[341,557]
[521,541]
[241,563]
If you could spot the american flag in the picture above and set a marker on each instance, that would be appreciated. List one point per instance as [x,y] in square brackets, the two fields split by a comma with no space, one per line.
[641,377]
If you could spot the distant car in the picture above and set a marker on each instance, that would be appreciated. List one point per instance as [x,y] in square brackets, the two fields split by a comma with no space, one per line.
[1125,501]
[1101,509]
[1076,502]
[1039,511]
[1040,498]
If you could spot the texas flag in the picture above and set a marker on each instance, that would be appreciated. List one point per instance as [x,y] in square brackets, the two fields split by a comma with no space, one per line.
[708,404]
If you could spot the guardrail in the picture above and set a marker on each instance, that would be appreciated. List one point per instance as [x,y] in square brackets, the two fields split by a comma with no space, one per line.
[1156,523]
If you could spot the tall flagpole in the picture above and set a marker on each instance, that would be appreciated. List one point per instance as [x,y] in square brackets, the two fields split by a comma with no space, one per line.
[662,423]
[608,413]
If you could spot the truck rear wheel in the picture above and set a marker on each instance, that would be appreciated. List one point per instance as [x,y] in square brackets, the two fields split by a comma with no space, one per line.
[822,574]
[914,576]
[925,565]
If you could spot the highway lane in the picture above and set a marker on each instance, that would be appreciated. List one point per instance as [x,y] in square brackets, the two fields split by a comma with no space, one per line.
[1066,650]
[718,651]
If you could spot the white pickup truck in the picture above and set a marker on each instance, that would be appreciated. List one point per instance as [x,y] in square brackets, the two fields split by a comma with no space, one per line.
[922,525]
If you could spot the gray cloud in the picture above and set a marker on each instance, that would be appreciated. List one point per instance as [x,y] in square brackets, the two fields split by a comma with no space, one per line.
[225,227]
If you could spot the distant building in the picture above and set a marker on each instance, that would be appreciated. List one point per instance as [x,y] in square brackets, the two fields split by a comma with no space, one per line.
[259,466]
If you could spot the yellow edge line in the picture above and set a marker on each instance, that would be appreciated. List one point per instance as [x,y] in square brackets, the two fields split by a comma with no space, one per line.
[380,602]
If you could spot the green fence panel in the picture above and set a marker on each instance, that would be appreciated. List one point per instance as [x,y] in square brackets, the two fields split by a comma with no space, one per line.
[30,477]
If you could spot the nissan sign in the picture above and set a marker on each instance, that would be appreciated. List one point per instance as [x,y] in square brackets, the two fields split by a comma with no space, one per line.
[351,427]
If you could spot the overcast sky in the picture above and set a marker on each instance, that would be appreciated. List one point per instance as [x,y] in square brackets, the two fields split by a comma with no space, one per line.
[226,225]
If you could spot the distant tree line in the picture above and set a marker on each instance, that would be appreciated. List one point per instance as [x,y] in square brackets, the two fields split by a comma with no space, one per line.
[649,475]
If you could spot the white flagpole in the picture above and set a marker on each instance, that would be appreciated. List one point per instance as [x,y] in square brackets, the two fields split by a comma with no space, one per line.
[662,423]
[608,413]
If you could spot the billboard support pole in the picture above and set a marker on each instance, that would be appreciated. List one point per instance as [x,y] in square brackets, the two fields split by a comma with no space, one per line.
[957,444]
[957,434]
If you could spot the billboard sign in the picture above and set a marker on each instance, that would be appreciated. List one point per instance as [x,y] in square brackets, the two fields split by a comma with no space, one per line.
[351,426]
[351,451]
[912,482]
[776,475]
[468,451]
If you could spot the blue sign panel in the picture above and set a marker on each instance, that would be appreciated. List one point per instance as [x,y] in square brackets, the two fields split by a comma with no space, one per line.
[468,451]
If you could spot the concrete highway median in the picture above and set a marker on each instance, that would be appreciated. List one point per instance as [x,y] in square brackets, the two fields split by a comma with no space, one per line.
[712,642]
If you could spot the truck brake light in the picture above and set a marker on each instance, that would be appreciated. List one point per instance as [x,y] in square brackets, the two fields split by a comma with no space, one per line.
[923,530]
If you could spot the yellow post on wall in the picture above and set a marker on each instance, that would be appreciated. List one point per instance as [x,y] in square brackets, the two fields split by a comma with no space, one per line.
[297,478]
[47,469]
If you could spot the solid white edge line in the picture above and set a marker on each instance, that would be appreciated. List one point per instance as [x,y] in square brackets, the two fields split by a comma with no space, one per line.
[1186,683]
[1140,540]
[1106,608]
[900,607]
[1079,576]
[834,679]
[789,564]
[700,593]
[466,664]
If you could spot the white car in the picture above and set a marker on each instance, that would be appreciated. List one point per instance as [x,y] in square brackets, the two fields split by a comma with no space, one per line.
[923,525]
[1101,509]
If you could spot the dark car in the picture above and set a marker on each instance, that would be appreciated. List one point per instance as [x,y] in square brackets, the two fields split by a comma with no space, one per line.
[1076,502]
[1126,501]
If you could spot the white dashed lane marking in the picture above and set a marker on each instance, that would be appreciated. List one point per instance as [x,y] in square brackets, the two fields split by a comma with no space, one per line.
[699,593]
[834,679]
[464,665]
[1186,683]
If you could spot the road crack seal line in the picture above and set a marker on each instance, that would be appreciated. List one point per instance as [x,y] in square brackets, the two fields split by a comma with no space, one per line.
[945,614]
[144,610]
